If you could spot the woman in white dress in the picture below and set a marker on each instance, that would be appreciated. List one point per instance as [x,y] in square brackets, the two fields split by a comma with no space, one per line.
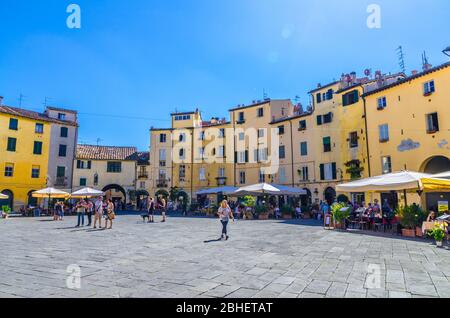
[225,214]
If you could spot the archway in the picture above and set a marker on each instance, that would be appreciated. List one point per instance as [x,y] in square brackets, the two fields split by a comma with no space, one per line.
[7,202]
[436,165]
[117,194]
[306,199]
[32,202]
[329,195]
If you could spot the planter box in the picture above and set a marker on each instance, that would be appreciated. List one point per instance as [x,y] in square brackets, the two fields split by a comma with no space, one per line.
[419,232]
[439,244]
[408,233]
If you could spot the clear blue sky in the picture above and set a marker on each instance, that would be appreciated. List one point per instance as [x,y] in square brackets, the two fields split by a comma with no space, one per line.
[135,61]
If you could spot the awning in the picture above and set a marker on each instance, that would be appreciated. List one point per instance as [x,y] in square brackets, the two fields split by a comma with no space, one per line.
[435,185]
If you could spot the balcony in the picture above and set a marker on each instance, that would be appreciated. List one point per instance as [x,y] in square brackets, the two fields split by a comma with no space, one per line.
[61,182]
[162,183]
[221,181]
[240,121]
[143,175]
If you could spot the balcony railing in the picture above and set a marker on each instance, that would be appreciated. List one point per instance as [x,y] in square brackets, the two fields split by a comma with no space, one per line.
[143,175]
[162,183]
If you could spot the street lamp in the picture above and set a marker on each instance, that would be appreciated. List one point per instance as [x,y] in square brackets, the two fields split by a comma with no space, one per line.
[447,51]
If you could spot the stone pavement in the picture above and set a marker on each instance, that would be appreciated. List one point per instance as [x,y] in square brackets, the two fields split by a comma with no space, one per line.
[262,259]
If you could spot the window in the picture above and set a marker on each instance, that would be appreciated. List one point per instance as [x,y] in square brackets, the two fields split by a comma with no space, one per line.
[241,117]
[221,152]
[262,176]
[384,133]
[329,94]
[201,136]
[328,118]
[350,98]
[386,166]
[202,174]
[282,175]
[221,172]
[261,155]
[61,116]
[60,172]
[201,152]
[39,129]
[221,132]
[381,103]
[242,177]
[305,173]
[281,130]
[9,170]
[182,137]
[241,136]
[282,152]
[182,117]
[326,144]
[64,132]
[328,171]
[83,182]
[162,154]
[11,146]
[428,88]
[319,120]
[35,171]
[62,151]
[84,164]
[241,156]
[95,179]
[162,175]
[260,112]
[182,154]
[432,123]
[353,139]
[302,125]
[304,148]
[319,98]
[261,133]
[142,184]
[114,167]
[182,173]
[162,138]
[37,149]
[13,124]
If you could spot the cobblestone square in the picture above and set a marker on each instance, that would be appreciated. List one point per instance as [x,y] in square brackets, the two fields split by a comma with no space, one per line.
[182,258]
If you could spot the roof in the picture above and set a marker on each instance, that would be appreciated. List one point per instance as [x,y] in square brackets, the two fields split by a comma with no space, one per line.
[20,112]
[106,153]
[322,87]
[143,158]
[254,104]
[290,118]
[182,113]
[58,109]
[409,78]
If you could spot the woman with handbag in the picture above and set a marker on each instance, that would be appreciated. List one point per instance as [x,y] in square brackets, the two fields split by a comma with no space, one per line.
[110,215]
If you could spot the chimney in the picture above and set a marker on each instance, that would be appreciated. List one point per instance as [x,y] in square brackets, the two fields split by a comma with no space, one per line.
[415,72]
[1,100]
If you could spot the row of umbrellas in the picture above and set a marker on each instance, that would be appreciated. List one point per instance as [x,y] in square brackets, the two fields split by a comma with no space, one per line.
[52,193]
[256,189]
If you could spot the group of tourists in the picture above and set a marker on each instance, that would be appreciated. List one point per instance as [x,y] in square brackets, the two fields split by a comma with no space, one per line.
[100,209]
[153,205]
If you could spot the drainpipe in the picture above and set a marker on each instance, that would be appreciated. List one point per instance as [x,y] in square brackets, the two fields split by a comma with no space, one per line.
[292,154]
[367,136]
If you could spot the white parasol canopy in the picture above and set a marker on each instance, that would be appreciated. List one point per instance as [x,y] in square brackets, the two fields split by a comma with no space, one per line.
[87,193]
[285,190]
[443,175]
[3,196]
[50,193]
[255,189]
[224,190]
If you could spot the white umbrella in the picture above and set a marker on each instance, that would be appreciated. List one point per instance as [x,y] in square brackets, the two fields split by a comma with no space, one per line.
[255,189]
[444,175]
[87,193]
[224,190]
[285,190]
[3,196]
[50,193]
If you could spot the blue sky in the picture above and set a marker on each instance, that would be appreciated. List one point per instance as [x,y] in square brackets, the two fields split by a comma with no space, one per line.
[134,62]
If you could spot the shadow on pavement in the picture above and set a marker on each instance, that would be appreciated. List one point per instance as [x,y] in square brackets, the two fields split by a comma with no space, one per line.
[212,241]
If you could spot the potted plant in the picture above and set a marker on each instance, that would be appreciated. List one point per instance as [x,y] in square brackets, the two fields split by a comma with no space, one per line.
[249,203]
[262,212]
[340,212]
[6,210]
[287,211]
[421,217]
[408,220]
[438,233]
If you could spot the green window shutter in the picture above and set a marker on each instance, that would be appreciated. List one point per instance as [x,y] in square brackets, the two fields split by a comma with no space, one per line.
[333,169]
[89,166]
[319,120]
[322,172]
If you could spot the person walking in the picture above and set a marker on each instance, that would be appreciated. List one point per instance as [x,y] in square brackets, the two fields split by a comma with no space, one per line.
[81,209]
[98,207]
[89,210]
[110,215]
[225,214]
[151,210]
[163,206]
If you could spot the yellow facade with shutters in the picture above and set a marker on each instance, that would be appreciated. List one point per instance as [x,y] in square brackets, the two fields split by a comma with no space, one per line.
[22,171]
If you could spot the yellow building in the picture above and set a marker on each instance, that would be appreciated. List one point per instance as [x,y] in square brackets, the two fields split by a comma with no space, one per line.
[408,125]
[24,154]
[107,168]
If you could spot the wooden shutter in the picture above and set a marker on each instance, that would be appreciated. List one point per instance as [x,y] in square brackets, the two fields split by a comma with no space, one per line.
[322,172]
[333,169]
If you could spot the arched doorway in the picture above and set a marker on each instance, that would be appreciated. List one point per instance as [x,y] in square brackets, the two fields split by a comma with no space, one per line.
[117,194]
[32,202]
[436,165]
[329,195]
[7,202]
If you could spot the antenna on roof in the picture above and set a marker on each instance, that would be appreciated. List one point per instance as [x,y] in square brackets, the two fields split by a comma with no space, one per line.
[21,98]
[425,65]
[265,96]
[401,59]
[46,101]
[99,141]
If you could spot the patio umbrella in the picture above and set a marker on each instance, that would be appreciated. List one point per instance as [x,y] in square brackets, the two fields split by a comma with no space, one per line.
[50,193]
[285,190]
[443,175]
[87,193]
[3,196]
[256,189]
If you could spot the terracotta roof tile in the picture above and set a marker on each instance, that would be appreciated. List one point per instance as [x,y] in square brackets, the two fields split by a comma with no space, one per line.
[20,112]
[107,153]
